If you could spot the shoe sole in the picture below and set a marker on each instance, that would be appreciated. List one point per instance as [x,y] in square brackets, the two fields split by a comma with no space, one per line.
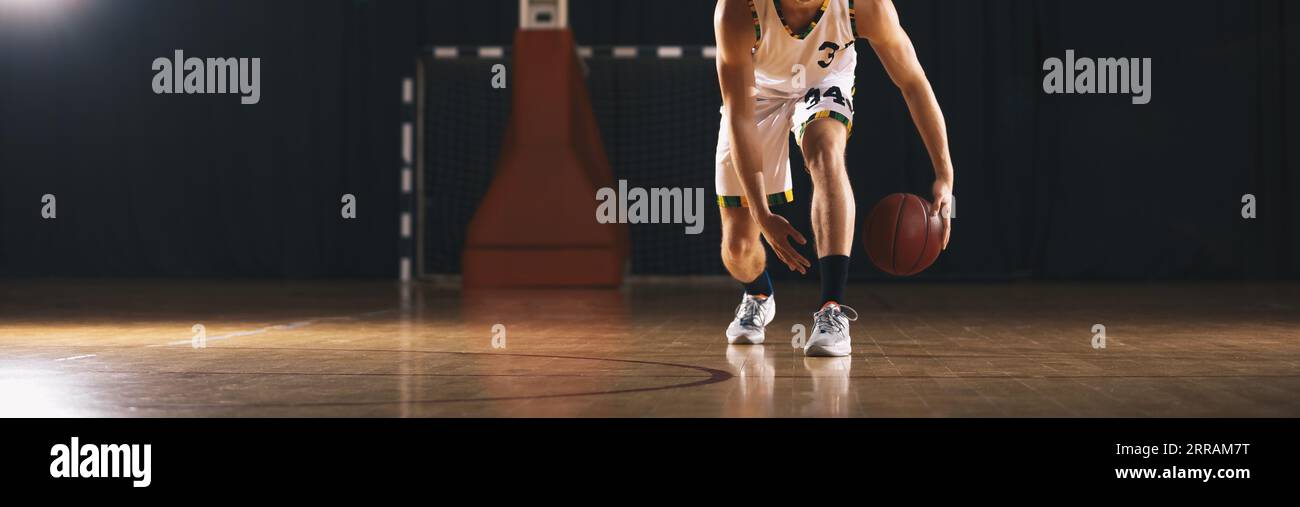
[745,340]
[820,351]
[750,340]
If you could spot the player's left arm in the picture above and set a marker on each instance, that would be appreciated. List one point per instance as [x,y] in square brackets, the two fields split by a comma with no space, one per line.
[877,21]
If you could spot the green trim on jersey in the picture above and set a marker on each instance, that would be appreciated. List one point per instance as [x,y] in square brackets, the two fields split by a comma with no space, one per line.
[739,201]
[827,114]
[853,19]
[818,17]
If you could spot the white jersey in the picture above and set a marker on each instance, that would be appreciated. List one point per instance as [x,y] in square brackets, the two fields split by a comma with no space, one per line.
[785,100]
[825,50]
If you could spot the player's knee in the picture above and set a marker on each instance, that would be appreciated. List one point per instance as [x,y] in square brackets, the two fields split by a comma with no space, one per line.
[740,248]
[823,148]
[824,163]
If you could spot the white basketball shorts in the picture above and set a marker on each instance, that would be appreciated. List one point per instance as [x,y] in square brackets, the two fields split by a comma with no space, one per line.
[777,119]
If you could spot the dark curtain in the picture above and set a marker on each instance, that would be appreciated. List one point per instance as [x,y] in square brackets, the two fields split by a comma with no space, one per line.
[1057,187]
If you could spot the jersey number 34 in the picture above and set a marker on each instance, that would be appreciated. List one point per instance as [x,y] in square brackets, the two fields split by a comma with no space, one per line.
[815,95]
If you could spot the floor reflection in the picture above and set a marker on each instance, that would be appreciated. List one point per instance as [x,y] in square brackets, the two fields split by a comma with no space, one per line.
[361,349]
[821,389]
[830,387]
[756,381]
[34,393]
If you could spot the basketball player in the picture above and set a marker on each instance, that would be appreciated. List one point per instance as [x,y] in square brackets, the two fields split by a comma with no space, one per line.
[787,66]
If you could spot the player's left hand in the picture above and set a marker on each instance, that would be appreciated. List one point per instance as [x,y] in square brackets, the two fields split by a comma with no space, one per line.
[942,207]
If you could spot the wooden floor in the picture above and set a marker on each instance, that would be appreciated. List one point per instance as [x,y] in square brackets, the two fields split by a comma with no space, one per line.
[126,348]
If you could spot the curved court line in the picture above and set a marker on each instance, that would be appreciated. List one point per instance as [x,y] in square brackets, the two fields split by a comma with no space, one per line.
[715,376]
[429,375]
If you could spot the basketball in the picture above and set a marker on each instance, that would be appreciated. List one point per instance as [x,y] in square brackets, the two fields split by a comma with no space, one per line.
[901,237]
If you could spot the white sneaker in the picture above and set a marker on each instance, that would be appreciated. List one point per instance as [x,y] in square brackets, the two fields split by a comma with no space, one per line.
[752,316]
[830,336]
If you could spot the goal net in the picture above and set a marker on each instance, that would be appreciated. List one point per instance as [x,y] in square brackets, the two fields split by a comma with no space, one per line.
[658,112]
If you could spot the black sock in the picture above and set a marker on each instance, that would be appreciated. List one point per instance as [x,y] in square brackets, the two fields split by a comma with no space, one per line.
[761,286]
[835,276]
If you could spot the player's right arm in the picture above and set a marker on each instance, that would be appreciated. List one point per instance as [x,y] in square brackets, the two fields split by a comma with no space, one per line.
[733,27]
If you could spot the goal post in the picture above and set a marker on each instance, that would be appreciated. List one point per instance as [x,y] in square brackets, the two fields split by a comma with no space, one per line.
[536,224]
[543,14]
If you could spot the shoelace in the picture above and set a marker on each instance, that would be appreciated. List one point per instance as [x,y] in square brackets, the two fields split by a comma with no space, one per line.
[748,310]
[825,319]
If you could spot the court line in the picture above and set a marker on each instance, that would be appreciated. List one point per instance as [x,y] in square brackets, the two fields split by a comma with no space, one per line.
[615,376]
[73,358]
[715,376]
[991,376]
[277,327]
[1130,357]
[372,374]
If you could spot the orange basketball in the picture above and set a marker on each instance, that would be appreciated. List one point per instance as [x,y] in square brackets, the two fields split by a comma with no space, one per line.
[901,237]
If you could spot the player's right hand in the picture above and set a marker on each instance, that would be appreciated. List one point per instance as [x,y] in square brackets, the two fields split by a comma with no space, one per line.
[777,231]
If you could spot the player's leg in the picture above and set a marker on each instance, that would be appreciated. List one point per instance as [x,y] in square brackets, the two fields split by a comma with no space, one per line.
[822,139]
[746,261]
[743,253]
[833,207]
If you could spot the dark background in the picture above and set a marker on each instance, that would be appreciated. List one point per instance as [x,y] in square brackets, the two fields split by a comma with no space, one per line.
[1071,187]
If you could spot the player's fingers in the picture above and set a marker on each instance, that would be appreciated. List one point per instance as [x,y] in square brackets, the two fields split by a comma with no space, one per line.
[788,264]
[776,248]
[797,258]
[947,230]
[797,236]
[782,250]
